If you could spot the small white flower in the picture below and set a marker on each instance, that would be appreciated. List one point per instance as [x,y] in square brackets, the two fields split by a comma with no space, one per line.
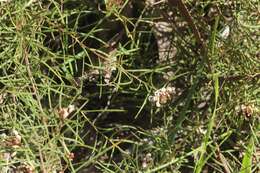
[225,33]
[144,164]
[2,97]
[147,160]
[17,136]
[202,131]
[148,156]
[71,108]
[162,90]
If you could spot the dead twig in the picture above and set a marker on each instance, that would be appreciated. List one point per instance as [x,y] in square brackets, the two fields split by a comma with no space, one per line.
[185,13]
[34,87]
[223,161]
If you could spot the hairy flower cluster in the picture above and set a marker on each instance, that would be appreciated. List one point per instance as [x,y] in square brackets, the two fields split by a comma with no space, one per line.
[162,96]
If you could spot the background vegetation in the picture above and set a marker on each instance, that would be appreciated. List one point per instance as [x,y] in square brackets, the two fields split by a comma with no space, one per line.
[83,87]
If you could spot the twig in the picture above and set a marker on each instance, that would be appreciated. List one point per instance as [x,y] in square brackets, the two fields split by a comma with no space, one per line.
[34,87]
[42,162]
[223,160]
[185,13]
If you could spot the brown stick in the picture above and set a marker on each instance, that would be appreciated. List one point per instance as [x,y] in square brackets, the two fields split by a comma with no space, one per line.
[185,13]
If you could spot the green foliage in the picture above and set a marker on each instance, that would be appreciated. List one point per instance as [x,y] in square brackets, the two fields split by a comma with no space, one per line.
[83,87]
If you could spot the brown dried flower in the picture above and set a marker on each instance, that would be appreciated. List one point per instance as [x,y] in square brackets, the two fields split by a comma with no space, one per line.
[162,96]
[65,112]
[15,140]
[25,168]
[247,110]
[71,156]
